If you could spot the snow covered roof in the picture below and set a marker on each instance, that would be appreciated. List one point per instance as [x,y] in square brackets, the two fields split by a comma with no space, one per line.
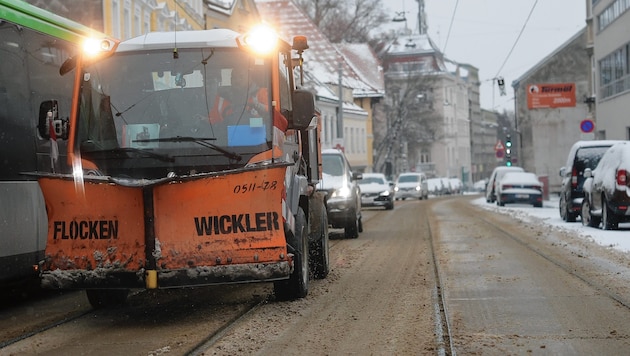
[412,44]
[197,39]
[363,61]
[322,59]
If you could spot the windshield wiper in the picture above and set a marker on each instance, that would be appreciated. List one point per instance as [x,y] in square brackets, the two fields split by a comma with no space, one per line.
[198,140]
[161,157]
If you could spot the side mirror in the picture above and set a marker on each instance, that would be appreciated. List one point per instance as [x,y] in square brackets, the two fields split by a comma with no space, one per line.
[588,173]
[562,172]
[303,110]
[49,121]
[357,176]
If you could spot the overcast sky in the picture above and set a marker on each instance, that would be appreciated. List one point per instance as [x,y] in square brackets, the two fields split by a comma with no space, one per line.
[483,33]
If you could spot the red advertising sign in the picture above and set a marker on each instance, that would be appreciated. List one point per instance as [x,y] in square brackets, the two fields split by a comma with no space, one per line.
[555,95]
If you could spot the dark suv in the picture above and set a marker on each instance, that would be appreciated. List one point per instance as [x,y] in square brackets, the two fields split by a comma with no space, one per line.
[343,194]
[606,188]
[583,154]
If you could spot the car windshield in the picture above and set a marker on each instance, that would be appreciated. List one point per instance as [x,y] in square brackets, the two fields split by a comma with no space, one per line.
[407,179]
[371,180]
[332,164]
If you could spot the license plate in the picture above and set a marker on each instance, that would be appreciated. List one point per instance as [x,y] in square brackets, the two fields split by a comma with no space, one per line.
[521,196]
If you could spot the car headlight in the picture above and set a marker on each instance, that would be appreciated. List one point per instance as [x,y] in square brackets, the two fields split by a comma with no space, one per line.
[396,189]
[385,193]
[343,192]
[417,188]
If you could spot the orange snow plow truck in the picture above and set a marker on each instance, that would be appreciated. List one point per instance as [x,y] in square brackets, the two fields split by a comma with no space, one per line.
[193,158]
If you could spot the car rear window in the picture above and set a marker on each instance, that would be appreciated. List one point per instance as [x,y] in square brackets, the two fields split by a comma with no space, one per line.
[588,157]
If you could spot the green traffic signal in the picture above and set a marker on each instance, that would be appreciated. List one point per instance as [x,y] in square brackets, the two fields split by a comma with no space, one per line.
[508,163]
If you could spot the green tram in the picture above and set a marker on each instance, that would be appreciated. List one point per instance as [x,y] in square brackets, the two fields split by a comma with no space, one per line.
[35,102]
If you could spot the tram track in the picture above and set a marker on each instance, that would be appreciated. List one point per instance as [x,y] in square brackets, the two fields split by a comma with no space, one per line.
[520,285]
[443,335]
[564,266]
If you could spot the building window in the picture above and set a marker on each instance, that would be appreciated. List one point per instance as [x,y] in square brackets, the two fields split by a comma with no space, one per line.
[137,22]
[147,22]
[614,73]
[612,12]
[115,19]
[127,20]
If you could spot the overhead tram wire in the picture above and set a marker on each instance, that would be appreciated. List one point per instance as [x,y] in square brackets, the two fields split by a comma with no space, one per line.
[517,38]
[450,26]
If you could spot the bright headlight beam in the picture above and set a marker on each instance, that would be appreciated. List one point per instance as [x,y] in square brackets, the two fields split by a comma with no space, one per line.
[261,39]
[94,46]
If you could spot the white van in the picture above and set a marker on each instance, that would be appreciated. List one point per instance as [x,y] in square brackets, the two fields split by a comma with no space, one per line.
[411,185]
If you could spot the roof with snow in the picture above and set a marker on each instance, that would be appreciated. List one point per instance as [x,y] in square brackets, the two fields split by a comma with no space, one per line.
[363,61]
[322,59]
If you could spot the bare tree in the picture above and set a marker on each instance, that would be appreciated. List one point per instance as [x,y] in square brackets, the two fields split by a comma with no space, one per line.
[350,21]
[411,118]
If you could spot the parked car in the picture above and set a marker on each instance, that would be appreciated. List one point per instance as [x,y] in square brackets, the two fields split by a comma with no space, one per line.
[481,185]
[583,154]
[495,177]
[607,189]
[457,187]
[411,185]
[376,190]
[520,187]
[448,188]
[343,194]
[436,186]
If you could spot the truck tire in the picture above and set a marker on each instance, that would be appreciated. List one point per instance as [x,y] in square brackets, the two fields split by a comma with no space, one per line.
[297,285]
[106,298]
[319,245]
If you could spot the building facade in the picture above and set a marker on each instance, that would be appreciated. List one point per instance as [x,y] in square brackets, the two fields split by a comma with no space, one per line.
[608,23]
[552,101]
[431,101]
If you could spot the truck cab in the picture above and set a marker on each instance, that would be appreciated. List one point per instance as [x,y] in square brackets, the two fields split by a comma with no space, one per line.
[193,164]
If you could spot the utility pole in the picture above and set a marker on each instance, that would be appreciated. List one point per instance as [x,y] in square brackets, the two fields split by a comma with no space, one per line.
[340,110]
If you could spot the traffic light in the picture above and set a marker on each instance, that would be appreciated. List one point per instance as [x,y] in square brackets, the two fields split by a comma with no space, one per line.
[501,83]
[508,150]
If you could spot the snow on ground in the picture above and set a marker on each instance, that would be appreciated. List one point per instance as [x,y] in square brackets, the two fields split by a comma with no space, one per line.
[549,215]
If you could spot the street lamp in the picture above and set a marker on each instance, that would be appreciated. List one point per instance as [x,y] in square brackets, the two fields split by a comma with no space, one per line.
[400,17]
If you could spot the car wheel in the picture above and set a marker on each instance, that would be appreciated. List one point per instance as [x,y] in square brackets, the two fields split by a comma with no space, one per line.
[608,217]
[565,212]
[320,247]
[351,230]
[587,218]
[297,285]
[390,206]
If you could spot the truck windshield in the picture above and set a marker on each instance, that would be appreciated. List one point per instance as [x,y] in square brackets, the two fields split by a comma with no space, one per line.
[146,100]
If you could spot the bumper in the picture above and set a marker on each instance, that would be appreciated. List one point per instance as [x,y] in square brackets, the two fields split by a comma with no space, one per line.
[340,212]
[376,201]
[200,276]
[514,198]
[408,194]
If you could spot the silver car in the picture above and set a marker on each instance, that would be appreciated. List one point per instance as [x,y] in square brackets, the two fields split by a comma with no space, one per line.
[411,185]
